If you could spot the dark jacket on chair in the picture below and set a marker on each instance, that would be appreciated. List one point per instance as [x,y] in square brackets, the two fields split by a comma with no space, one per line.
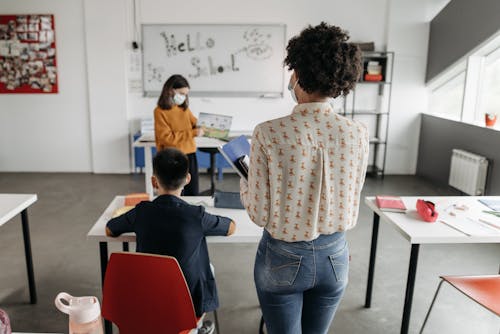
[170,226]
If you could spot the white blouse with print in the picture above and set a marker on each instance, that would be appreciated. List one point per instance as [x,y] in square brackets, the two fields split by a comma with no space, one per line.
[306,173]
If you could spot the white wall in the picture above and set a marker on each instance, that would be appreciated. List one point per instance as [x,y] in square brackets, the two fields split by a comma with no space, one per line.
[50,133]
[408,32]
[86,127]
[106,42]
[408,36]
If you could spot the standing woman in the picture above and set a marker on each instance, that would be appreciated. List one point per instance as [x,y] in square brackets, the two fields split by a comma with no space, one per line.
[175,126]
[304,184]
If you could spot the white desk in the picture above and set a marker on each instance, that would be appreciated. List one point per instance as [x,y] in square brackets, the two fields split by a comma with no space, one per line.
[10,206]
[203,143]
[417,232]
[246,230]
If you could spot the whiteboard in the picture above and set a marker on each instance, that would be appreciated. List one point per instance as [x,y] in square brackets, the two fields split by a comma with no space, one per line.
[216,59]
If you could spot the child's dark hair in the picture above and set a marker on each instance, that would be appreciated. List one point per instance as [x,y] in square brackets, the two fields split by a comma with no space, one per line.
[170,166]
[174,82]
[323,60]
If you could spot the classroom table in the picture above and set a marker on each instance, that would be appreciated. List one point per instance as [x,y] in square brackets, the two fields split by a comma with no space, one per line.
[246,230]
[205,144]
[418,232]
[10,206]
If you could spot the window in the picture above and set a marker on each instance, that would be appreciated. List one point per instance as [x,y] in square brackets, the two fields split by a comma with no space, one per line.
[446,100]
[490,88]
[471,87]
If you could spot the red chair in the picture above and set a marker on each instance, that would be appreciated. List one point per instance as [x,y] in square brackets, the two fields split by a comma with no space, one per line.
[484,290]
[146,293]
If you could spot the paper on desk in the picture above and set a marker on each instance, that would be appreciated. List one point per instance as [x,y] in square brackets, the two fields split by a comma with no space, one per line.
[470,226]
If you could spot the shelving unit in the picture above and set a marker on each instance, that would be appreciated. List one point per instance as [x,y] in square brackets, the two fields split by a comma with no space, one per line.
[369,103]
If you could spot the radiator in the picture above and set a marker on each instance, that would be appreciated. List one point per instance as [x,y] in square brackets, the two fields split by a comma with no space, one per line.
[468,172]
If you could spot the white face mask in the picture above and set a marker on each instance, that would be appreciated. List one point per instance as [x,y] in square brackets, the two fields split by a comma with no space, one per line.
[292,91]
[179,99]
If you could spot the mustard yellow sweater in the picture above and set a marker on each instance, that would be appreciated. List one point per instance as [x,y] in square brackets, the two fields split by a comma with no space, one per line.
[175,127]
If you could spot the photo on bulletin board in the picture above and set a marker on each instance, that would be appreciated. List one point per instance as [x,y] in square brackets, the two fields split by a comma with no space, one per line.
[216,59]
[28,54]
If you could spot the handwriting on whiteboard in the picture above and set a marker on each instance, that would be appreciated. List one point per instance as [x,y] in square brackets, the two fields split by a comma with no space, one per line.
[255,46]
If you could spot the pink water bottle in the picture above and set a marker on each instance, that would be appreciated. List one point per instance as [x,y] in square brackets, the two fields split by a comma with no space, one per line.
[84,313]
[4,323]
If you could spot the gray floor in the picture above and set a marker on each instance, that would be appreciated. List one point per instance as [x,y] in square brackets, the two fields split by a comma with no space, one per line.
[64,260]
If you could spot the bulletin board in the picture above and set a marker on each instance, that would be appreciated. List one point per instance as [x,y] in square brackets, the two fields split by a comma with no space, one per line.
[28,54]
[216,59]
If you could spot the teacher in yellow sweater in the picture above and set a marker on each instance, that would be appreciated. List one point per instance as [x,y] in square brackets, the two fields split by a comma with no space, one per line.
[175,125]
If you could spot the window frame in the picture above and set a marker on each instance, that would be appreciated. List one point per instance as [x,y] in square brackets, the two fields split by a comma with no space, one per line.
[473,65]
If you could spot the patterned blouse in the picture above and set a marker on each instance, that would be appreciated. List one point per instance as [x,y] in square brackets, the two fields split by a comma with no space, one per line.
[306,173]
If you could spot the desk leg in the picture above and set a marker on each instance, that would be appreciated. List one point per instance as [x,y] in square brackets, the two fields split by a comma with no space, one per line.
[212,173]
[103,252]
[148,172]
[29,258]
[410,284]
[373,254]
[125,246]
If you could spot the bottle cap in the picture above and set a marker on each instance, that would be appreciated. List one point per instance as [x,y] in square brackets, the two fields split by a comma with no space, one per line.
[80,309]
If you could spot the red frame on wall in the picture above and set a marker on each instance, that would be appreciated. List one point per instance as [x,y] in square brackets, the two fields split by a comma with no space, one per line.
[28,61]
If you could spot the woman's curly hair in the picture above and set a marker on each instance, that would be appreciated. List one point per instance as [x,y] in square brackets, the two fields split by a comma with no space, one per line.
[323,60]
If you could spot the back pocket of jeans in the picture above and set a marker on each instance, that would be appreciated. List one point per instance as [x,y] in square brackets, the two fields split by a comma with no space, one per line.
[340,264]
[281,266]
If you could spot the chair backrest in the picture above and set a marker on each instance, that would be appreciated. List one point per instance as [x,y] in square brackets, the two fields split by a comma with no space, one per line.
[145,293]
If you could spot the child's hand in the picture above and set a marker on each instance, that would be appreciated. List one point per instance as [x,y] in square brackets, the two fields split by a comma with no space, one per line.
[200,132]
[232,228]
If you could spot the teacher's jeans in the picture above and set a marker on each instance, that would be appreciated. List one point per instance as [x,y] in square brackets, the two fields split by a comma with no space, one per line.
[300,284]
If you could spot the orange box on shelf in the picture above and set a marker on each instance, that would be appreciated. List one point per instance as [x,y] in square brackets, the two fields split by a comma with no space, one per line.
[373,77]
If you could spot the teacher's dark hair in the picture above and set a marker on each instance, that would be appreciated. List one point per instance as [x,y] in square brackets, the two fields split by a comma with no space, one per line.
[167,93]
[323,60]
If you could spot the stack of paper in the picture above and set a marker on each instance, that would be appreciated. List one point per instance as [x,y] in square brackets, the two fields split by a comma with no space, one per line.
[471,226]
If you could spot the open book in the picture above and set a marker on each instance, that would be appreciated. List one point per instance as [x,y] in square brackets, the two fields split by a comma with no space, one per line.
[237,153]
[214,125]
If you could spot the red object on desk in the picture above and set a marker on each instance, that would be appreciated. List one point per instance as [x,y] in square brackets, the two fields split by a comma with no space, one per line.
[427,211]
[390,203]
[134,199]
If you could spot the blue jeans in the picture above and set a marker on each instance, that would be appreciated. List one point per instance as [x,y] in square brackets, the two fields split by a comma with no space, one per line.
[300,284]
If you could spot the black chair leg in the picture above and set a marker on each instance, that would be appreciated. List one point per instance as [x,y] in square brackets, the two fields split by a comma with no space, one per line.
[261,326]
[432,304]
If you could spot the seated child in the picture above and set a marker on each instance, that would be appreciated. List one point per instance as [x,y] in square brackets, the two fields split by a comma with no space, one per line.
[170,226]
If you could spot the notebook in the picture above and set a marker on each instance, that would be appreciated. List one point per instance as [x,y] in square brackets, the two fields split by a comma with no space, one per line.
[390,203]
[237,153]
[214,125]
